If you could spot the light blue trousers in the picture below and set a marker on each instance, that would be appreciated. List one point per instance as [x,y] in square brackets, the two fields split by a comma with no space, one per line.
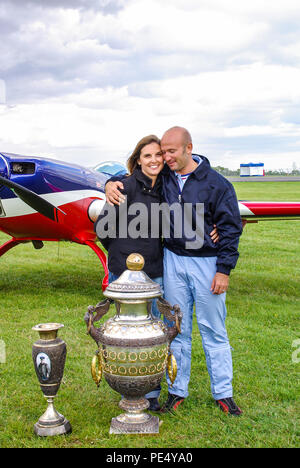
[156,314]
[187,282]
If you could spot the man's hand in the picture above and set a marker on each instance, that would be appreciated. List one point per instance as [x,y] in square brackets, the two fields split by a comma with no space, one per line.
[113,194]
[215,235]
[220,283]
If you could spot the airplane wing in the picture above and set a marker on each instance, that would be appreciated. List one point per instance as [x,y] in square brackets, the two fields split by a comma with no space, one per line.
[265,211]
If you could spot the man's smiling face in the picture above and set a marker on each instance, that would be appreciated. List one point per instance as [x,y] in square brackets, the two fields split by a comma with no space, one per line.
[176,154]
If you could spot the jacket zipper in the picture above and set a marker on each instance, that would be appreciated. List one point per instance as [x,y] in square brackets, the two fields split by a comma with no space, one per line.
[179,189]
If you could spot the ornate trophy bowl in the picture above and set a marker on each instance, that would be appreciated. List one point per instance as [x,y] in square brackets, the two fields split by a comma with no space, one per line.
[49,355]
[133,346]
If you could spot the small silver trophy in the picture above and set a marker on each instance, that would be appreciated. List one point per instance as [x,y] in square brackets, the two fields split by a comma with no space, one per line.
[49,356]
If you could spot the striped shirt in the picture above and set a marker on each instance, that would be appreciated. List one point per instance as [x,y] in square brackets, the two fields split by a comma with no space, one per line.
[182,178]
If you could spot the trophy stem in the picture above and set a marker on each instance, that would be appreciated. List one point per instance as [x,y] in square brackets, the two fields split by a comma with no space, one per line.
[134,420]
[51,422]
[51,416]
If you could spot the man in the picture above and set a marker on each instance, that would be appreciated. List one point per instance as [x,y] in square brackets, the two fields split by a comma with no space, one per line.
[199,276]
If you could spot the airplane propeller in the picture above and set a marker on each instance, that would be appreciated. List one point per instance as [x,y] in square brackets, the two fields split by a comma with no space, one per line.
[32,199]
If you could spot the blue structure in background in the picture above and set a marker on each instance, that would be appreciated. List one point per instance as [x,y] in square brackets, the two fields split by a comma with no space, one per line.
[252,169]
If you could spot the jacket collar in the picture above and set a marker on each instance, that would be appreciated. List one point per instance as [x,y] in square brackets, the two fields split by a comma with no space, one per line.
[199,173]
[146,181]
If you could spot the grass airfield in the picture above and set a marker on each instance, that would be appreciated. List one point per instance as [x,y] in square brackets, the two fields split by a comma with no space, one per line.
[59,282]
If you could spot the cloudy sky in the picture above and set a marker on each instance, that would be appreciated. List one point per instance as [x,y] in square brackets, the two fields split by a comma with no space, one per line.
[84,80]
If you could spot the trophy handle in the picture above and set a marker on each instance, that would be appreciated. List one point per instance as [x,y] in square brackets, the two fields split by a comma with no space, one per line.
[96,373]
[93,315]
[172,368]
[166,309]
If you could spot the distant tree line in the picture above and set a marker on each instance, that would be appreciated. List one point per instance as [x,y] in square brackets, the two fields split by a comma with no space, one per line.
[277,172]
[227,172]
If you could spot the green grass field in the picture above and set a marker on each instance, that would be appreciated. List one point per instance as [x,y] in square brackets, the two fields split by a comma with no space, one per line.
[58,283]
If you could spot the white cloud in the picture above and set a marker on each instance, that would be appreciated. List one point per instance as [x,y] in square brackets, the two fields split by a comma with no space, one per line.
[106,6]
[268,8]
[2,92]
[163,28]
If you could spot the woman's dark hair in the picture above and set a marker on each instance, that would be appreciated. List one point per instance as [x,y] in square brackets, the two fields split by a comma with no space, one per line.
[132,161]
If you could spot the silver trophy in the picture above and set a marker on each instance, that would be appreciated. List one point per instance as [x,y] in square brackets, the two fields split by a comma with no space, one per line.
[133,347]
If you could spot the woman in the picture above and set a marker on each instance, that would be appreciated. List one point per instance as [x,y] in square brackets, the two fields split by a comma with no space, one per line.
[142,186]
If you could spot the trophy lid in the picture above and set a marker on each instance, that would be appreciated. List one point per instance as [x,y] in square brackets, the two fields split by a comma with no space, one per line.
[133,282]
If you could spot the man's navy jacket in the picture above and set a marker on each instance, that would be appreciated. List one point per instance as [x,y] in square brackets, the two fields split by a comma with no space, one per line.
[206,186]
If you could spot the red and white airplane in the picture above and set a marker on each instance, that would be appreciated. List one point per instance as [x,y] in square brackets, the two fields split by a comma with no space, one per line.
[47,200]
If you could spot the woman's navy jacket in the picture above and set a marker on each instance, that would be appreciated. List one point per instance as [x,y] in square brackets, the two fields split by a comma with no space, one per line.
[138,190]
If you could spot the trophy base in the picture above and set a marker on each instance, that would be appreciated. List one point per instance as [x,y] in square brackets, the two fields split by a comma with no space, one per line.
[46,431]
[52,423]
[119,425]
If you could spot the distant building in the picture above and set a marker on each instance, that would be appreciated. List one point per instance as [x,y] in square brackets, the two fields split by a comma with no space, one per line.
[252,169]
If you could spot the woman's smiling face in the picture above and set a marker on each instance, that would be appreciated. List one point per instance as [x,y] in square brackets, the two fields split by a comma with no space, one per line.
[151,160]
